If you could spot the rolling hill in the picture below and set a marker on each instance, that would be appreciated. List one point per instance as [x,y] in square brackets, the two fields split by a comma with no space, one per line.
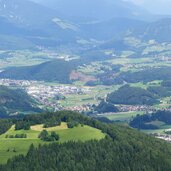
[48,25]
[15,101]
[26,13]
[147,75]
[158,30]
[132,96]
[97,10]
[57,70]
[121,149]
[13,36]
[114,28]
[10,28]
[152,121]
[35,23]
[79,133]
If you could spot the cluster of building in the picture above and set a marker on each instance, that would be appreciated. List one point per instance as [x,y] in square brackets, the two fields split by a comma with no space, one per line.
[132,108]
[140,108]
[16,83]
[52,91]
[166,58]
[56,55]
[81,108]
[163,137]
[47,95]
[50,95]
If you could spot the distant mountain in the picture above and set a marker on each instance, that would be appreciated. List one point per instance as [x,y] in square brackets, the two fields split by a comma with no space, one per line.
[10,28]
[118,19]
[53,23]
[115,28]
[15,100]
[92,10]
[35,23]
[13,36]
[119,28]
[57,70]
[26,13]
[158,30]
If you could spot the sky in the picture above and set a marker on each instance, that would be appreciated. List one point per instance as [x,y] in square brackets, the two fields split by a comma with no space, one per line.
[155,6]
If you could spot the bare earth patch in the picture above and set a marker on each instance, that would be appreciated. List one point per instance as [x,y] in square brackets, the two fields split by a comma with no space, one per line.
[81,77]
[56,128]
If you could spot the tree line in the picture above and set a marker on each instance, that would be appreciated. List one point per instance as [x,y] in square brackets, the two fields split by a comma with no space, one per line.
[123,149]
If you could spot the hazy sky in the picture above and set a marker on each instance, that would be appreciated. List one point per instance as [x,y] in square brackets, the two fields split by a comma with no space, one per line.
[155,6]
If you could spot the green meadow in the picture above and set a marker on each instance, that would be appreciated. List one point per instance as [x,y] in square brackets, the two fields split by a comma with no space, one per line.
[10,147]
[122,116]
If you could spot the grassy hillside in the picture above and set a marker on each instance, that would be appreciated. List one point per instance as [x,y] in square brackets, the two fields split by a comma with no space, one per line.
[122,149]
[21,146]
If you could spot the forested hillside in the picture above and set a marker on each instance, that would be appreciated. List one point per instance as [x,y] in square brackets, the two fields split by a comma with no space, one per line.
[110,60]
[105,107]
[57,70]
[14,101]
[151,121]
[147,75]
[132,96]
[122,149]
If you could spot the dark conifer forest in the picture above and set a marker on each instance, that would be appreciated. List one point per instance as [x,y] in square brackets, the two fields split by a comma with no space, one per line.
[122,149]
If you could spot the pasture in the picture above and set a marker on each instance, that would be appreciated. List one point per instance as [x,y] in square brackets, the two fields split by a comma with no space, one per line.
[10,147]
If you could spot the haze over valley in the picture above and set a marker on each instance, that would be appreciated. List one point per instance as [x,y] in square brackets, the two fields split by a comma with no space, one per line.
[109,60]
